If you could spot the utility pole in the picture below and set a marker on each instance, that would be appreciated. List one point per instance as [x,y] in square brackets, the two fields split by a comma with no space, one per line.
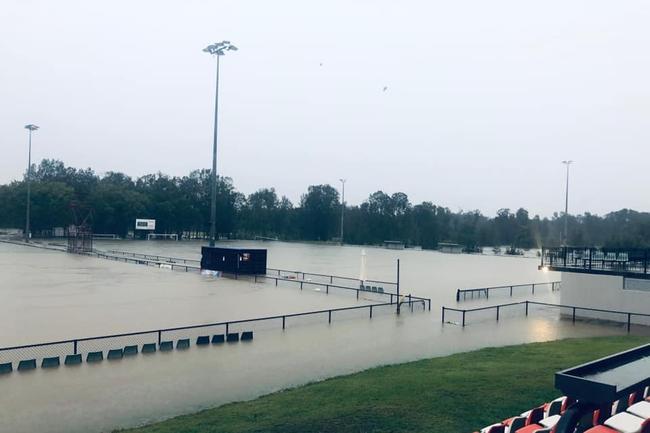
[31,129]
[342,208]
[398,301]
[566,204]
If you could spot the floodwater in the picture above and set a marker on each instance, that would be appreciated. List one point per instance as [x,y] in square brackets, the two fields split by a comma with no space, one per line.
[49,295]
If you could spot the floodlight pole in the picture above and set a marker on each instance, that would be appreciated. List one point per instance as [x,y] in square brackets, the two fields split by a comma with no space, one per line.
[217,49]
[566,203]
[342,208]
[31,128]
[213,182]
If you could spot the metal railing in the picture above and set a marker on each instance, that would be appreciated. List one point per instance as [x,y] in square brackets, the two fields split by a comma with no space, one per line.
[282,275]
[628,315]
[178,337]
[485,291]
[616,261]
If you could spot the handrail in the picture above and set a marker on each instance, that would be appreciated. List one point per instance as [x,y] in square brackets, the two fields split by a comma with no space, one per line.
[574,308]
[136,257]
[486,290]
[206,325]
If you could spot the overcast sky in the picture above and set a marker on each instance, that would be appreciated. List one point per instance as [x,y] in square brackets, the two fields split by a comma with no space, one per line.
[483,99]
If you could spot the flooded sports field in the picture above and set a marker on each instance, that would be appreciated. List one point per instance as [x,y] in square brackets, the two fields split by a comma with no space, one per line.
[50,296]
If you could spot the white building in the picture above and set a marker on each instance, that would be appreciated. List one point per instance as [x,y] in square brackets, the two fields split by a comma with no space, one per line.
[603,279]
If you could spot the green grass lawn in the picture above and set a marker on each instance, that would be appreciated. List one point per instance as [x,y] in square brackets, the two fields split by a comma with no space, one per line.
[455,394]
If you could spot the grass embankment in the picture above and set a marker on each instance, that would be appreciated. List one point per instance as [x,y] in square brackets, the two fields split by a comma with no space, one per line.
[454,394]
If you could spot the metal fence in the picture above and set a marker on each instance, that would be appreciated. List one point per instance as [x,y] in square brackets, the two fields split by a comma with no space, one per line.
[597,260]
[516,308]
[463,294]
[117,346]
[324,282]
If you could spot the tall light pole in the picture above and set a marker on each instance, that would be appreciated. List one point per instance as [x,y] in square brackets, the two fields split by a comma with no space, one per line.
[342,206]
[217,49]
[566,203]
[31,129]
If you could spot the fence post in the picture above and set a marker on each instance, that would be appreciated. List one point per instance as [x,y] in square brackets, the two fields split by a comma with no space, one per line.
[301,285]
[629,320]
[75,347]
[429,304]
[463,318]
[511,291]
[526,308]
[411,302]
[327,289]
[159,337]
[276,282]
[457,296]
[371,311]
[487,293]
[228,328]
[574,315]
[391,296]
[443,314]
[283,321]
[533,288]
[497,313]
[329,316]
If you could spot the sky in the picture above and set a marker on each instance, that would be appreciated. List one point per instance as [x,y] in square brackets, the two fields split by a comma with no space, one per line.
[469,104]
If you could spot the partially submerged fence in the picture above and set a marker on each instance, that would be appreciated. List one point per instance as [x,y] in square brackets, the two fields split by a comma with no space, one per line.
[524,306]
[463,294]
[323,281]
[116,346]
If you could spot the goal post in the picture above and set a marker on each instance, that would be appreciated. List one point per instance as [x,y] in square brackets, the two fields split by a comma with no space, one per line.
[162,236]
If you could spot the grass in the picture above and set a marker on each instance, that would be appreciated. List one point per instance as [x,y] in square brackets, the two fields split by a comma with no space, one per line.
[454,394]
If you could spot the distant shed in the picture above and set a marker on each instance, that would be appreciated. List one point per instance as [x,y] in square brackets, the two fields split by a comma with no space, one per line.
[244,261]
[394,245]
[450,247]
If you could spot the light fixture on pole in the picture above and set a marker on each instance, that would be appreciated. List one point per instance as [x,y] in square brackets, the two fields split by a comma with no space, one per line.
[31,128]
[566,203]
[217,49]
[342,207]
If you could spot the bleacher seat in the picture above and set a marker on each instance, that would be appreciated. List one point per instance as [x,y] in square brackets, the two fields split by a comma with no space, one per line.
[130,350]
[94,356]
[115,354]
[218,339]
[623,422]
[202,340]
[166,346]
[246,335]
[51,362]
[640,409]
[183,343]
[28,364]
[148,347]
[6,368]
[73,359]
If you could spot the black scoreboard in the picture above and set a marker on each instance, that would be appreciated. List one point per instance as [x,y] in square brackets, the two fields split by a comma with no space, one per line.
[245,261]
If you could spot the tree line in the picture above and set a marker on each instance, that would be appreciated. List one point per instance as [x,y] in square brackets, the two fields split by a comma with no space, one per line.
[181,205]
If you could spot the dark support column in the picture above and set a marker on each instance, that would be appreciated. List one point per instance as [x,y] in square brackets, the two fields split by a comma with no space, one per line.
[570,419]
[458,295]
[463,318]
[497,313]
[159,337]
[443,314]
[371,311]
[574,314]
[629,321]
[283,321]
[329,316]
[511,291]
[75,347]
[526,308]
